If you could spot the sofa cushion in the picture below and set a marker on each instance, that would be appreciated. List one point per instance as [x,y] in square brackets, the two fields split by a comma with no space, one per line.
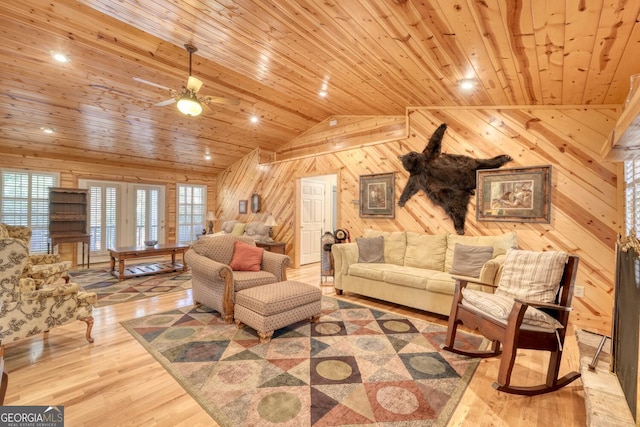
[249,279]
[256,230]
[425,250]
[532,275]
[246,257]
[501,243]
[411,277]
[500,306]
[370,249]
[443,283]
[227,226]
[395,244]
[371,271]
[468,260]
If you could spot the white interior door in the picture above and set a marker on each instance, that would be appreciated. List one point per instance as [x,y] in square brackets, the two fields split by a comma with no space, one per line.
[311,219]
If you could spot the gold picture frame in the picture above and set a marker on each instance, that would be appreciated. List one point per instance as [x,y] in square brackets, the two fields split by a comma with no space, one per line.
[514,195]
[377,196]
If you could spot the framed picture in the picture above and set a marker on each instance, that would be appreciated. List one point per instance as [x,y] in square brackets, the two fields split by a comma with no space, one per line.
[377,196]
[517,195]
[242,206]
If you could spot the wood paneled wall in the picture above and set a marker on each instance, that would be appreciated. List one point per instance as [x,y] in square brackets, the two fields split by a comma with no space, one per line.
[71,172]
[586,201]
[343,133]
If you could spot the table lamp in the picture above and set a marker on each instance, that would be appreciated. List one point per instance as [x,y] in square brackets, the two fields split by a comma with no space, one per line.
[270,222]
[211,217]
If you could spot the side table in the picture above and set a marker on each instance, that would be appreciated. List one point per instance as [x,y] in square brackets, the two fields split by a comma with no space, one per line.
[277,247]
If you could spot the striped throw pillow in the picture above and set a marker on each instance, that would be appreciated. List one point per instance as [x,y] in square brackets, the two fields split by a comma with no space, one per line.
[532,275]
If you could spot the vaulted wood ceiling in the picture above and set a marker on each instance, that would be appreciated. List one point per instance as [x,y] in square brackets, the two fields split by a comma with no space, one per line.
[374,57]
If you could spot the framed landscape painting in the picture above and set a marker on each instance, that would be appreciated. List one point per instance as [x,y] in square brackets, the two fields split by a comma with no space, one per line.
[377,197]
[516,195]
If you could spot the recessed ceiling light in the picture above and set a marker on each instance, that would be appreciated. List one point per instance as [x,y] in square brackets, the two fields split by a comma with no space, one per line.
[60,57]
[324,90]
[254,119]
[207,156]
[467,84]
[48,130]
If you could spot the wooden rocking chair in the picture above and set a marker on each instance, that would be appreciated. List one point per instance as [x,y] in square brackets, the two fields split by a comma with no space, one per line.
[513,331]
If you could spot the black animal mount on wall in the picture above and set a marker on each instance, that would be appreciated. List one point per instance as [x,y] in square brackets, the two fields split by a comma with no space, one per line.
[447,179]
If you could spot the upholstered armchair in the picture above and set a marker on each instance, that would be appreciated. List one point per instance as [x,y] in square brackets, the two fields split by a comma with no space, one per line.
[215,281]
[45,269]
[27,309]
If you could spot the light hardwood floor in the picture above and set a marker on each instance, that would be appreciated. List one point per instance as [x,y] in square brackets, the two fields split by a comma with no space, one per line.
[116,382]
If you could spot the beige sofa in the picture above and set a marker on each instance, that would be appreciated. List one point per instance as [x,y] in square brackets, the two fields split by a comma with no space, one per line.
[416,271]
[256,230]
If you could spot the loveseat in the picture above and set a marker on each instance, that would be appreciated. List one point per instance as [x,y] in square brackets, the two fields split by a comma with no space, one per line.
[256,230]
[415,269]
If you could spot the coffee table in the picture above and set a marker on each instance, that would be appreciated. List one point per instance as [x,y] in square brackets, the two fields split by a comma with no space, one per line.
[136,252]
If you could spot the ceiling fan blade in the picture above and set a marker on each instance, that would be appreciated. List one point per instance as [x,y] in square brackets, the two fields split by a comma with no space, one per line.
[221,100]
[208,109]
[194,84]
[163,103]
[138,79]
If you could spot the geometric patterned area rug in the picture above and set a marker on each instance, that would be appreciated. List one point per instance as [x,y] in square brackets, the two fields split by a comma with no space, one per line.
[112,291]
[356,366]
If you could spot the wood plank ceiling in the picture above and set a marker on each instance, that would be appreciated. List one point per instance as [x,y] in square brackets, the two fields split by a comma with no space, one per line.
[373,57]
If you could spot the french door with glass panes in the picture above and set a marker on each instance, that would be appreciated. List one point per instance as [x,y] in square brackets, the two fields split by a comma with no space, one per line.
[123,215]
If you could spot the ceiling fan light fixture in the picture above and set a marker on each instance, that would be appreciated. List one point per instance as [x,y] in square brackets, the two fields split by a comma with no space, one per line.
[189,105]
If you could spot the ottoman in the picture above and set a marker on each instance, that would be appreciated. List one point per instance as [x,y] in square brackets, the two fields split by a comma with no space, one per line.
[276,305]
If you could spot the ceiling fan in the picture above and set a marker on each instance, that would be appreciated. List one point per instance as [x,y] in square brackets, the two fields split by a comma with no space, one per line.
[187,100]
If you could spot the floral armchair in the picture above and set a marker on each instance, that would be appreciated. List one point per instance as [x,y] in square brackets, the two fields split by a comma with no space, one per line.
[44,269]
[27,309]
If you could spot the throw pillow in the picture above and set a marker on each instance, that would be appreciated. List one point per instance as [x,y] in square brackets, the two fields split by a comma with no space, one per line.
[395,244]
[370,249]
[499,306]
[4,233]
[468,260]
[532,275]
[246,257]
[238,229]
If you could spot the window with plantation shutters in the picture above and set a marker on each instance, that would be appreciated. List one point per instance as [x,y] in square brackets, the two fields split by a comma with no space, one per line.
[191,208]
[147,215]
[24,200]
[103,210]
[632,195]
